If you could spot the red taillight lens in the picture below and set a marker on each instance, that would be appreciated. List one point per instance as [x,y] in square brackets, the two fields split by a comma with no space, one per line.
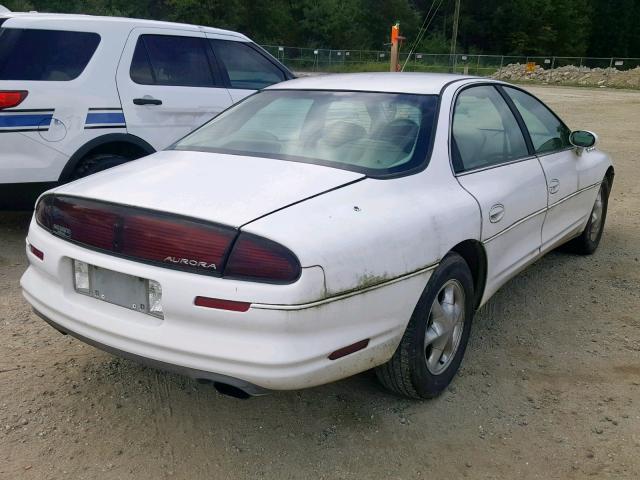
[256,258]
[187,244]
[84,222]
[170,241]
[9,99]
[167,240]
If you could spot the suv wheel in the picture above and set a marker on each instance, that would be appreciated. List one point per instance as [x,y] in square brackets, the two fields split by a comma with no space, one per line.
[97,163]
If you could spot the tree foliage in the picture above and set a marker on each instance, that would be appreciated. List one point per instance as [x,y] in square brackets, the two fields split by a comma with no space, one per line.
[510,27]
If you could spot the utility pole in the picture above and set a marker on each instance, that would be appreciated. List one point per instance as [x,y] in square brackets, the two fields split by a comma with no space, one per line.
[454,37]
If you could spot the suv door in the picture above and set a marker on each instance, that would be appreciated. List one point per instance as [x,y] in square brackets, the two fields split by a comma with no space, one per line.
[492,160]
[245,67]
[560,162]
[169,84]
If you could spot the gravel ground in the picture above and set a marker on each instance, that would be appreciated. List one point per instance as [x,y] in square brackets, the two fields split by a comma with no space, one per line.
[550,386]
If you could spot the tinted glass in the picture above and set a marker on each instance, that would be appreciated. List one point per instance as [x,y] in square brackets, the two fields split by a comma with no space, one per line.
[46,55]
[485,131]
[171,60]
[374,133]
[547,132]
[247,68]
[140,70]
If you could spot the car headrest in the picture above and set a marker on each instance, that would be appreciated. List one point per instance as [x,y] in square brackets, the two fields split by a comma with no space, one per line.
[338,133]
[401,132]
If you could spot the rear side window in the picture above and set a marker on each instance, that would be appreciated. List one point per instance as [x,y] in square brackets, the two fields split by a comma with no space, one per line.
[45,55]
[485,131]
[246,67]
[171,60]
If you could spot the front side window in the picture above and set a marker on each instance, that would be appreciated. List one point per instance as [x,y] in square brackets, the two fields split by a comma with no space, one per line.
[247,68]
[45,55]
[171,60]
[373,133]
[547,132]
[485,131]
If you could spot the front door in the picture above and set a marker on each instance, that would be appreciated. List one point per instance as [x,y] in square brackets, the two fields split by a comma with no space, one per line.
[245,68]
[550,137]
[169,84]
[493,163]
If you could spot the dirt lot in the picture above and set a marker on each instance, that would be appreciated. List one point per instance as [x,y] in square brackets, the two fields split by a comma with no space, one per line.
[550,386]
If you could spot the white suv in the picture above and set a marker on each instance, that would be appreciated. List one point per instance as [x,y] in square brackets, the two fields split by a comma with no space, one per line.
[80,93]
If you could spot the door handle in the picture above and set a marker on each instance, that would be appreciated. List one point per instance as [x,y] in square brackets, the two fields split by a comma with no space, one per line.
[496,213]
[147,100]
[554,186]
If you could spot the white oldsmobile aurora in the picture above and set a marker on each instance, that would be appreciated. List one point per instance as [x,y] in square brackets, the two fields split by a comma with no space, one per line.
[320,228]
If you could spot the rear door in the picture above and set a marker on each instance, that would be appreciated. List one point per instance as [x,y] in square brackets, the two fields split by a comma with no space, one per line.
[245,67]
[169,84]
[493,162]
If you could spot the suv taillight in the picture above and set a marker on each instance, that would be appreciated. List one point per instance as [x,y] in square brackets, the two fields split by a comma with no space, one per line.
[10,99]
[167,240]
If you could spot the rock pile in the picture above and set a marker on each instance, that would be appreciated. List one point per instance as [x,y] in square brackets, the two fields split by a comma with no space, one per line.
[572,75]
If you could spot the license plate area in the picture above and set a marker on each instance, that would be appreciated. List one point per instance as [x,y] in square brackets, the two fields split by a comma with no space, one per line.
[128,291]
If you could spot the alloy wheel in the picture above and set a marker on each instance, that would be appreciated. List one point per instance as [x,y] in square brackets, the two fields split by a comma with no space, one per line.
[445,326]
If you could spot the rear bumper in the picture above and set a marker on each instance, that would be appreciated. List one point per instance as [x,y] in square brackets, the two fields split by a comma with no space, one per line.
[281,343]
[247,387]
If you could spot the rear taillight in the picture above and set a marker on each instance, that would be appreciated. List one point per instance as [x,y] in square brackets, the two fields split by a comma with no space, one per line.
[84,222]
[187,244]
[257,258]
[10,99]
[152,237]
[167,240]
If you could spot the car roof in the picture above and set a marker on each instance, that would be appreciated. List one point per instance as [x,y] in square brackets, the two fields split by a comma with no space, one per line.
[33,18]
[410,82]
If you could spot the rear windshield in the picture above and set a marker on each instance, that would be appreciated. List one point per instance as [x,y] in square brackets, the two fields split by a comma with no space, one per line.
[372,133]
[45,55]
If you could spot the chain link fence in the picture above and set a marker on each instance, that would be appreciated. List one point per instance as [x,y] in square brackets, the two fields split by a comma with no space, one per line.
[329,60]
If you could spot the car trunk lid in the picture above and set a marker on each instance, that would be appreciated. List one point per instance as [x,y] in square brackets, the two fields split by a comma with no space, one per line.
[227,189]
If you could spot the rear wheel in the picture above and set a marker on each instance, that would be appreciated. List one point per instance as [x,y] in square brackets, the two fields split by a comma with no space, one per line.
[434,343]
[97,163]
[589,239]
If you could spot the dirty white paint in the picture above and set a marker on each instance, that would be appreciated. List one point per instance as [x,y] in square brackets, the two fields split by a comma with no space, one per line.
[368,248]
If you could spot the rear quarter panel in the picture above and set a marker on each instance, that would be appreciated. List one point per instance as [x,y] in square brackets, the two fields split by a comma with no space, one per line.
[375,230]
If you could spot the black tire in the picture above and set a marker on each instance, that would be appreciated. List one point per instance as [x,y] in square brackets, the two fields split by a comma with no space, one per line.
[407,373]
[586,243]
[97,163]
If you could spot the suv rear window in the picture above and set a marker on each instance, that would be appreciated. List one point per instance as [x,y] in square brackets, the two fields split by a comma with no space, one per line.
[45,55]
[171,60]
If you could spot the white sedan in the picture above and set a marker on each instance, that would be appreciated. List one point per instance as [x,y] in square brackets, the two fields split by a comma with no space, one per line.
[320,228]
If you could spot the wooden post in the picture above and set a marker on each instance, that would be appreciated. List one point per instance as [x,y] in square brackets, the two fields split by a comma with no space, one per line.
[395,33]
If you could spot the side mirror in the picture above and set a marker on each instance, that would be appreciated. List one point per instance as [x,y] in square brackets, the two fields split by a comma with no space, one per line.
[583,139]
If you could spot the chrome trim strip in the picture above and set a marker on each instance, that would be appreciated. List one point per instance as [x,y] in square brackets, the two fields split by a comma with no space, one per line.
[515,224]
[542,210]
[497,165]
[342,296]
[583,189]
